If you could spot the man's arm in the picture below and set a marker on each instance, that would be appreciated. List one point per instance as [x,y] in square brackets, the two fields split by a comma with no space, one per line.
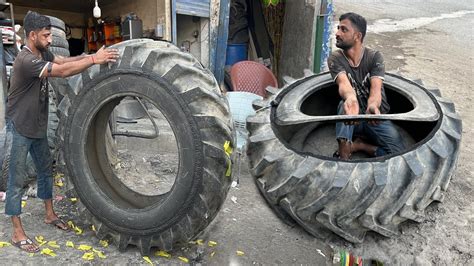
[375,96]
[351,105]
[62,60]
[67,69]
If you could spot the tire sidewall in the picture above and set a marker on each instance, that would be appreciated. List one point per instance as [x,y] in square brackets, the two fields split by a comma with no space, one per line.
[188,180]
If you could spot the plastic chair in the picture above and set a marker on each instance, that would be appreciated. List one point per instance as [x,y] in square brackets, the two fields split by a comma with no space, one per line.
[252,77]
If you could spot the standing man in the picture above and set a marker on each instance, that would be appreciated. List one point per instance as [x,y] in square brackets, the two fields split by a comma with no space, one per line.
[27,118]
[359,74]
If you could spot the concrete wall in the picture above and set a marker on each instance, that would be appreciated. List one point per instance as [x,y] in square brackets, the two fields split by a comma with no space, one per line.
[199,47]
[298,37]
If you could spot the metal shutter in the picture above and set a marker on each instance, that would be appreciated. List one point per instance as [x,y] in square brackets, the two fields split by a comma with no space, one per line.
[198,8]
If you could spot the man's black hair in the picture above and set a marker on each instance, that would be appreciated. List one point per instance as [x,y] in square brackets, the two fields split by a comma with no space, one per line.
[34,21]
[357,21]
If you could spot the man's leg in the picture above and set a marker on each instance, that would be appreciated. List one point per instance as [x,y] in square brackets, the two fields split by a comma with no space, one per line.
[386,136]
[344,134]
[17,176]
[43,162]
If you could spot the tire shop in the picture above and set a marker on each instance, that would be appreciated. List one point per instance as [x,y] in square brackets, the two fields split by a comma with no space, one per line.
[255,28]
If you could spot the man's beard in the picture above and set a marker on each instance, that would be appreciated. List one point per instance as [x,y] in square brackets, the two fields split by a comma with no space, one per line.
[343,45]
[41,48]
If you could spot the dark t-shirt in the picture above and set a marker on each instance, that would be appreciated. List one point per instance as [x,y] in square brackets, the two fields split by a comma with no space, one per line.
[371,65]
[27,105]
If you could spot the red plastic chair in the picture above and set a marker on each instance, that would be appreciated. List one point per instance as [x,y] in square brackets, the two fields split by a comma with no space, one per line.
[252,77]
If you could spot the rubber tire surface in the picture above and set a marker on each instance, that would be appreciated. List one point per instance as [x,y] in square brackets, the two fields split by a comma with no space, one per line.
[191,100]
[60,43]
[325,195]
[57,23]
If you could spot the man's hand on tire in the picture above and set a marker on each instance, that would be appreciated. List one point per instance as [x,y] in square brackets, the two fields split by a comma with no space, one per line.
[105,55]
[373,109]
[351,107]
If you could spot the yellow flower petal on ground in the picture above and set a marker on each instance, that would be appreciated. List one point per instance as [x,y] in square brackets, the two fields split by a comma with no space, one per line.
[39,238]
[192,242]
[53,244]
[212,243]
[58,175]
[183,259]
[23,204]
[73,199]
[78,230]
[84,247]
[200,242]
[163,254]
[212,254]
[59,183]
[93,228]
[71,224]
[88,256]
[147,259]
[69,244]
[99,253]
[4,244]
[104,243]
[49,252]
[240,253]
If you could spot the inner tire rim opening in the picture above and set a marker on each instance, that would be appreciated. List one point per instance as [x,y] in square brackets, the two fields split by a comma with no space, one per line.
[101,167]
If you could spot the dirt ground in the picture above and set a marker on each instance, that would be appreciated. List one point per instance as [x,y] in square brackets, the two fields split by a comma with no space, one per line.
[441,54]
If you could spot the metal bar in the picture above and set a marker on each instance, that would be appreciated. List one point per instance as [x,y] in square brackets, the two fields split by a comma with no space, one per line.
[139,135]
[221,41]
[174,34]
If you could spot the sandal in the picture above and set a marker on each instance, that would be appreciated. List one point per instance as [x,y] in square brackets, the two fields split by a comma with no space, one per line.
[22,244]
[60,224]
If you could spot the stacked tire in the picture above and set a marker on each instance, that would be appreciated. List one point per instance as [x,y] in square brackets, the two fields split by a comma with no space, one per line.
[59,45]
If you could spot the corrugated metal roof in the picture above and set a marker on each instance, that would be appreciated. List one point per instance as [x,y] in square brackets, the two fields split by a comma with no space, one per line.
[199,8]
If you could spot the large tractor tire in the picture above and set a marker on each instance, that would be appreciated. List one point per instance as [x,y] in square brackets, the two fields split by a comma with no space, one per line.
[294,169]
[189,97]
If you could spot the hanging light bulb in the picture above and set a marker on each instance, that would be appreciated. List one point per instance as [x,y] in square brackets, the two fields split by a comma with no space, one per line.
[96,11]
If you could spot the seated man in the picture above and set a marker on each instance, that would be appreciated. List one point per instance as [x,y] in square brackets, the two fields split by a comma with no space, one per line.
[359,73]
